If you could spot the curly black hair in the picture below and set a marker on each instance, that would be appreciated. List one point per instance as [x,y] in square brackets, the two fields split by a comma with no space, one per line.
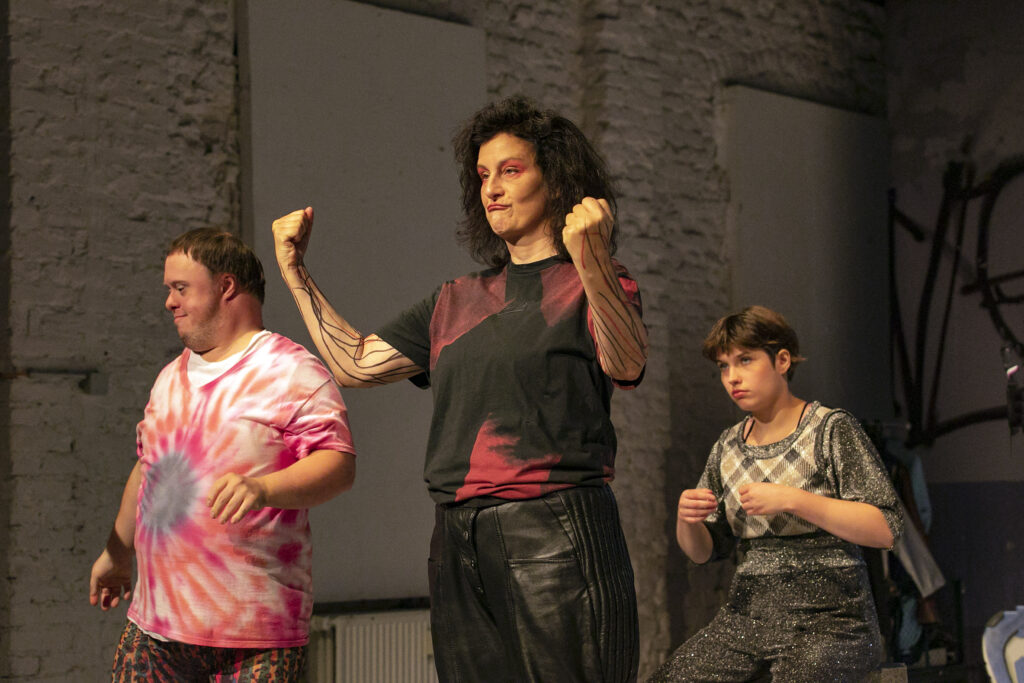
[572,169]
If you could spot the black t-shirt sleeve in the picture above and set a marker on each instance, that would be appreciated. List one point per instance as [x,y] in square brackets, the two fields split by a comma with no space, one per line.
[409,334]
[860,474]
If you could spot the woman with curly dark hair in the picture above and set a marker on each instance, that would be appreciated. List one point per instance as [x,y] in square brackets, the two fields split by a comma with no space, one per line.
[530,578]
[569,164]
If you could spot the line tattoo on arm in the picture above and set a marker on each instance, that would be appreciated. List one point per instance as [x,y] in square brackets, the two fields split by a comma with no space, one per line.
[346,350]
[618,329]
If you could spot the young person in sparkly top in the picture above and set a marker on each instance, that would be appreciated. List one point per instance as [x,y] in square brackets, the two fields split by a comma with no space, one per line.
[798,487]
[530,578]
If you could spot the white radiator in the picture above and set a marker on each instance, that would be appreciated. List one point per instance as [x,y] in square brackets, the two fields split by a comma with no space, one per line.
[371,647]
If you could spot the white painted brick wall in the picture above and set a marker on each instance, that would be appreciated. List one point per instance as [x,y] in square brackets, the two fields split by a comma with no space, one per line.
[124,135]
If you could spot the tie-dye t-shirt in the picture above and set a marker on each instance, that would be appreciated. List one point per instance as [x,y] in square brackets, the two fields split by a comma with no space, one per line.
[247,584]
[521,404]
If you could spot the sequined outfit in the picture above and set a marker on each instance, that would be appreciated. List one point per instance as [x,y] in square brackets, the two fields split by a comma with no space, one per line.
[800,604]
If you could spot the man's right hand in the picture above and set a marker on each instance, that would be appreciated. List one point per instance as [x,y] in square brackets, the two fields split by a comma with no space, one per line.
[291,237]
[110,581]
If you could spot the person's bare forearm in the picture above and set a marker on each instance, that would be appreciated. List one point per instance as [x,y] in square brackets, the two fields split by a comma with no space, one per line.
[694,539]
[619,332]
[618,329]
[121,541]
[315,479]
[355,360]
[852,521]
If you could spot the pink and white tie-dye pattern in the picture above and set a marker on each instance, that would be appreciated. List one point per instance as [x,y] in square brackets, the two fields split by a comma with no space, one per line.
[236,585]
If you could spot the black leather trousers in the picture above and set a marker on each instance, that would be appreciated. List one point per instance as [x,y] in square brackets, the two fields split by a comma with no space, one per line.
[534,590]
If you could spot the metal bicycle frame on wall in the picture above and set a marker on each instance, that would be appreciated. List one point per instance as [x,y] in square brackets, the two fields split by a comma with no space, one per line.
[959,189]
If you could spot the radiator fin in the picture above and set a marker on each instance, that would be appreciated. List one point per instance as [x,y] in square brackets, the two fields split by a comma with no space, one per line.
[372,647]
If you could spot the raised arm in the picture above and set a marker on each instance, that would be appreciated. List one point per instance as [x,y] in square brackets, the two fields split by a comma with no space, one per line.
[619,331]
[354,360]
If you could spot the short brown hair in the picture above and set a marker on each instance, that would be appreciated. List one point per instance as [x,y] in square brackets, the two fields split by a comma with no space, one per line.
[222,252]
[755,327]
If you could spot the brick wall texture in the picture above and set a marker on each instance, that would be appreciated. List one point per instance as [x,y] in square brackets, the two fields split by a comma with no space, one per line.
[124,132]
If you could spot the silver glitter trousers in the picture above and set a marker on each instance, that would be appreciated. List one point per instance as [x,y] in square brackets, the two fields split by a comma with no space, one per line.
[793,627]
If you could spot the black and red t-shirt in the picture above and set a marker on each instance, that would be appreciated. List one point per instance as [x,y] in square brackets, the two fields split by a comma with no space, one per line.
[521,405]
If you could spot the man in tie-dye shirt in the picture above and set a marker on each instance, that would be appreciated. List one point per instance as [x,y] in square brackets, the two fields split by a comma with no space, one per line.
[243,432]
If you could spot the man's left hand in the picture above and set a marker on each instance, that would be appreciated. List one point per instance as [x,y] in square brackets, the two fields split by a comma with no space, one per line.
[233,496]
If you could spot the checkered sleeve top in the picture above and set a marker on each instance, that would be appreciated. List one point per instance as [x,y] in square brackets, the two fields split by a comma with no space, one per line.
[828,454]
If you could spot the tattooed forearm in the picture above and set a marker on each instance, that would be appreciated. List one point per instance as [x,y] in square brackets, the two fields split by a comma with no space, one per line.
[620,336]
[354,359]
[621,339]
[619,331]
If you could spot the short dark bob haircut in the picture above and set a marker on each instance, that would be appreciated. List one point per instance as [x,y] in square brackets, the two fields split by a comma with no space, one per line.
[754,328]
[572,169]
[222,252]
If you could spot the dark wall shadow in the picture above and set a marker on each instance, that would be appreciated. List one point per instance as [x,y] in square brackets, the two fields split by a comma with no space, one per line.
[977,537]
[5,333]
